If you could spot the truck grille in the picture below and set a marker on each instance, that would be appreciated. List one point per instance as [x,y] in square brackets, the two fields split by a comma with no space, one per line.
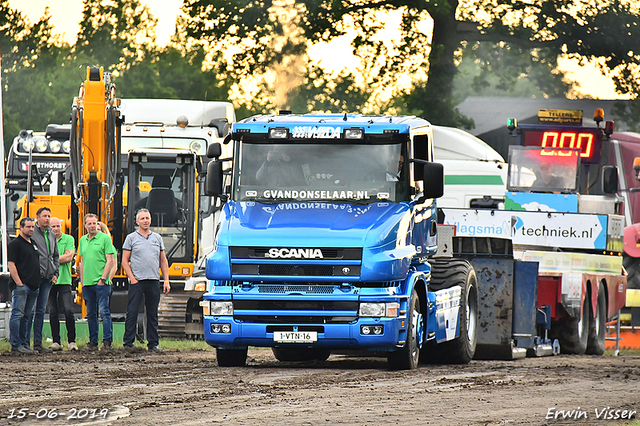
[328,253]
[295,305]
[295,262]
[309,270]
[303,289]
[277,311]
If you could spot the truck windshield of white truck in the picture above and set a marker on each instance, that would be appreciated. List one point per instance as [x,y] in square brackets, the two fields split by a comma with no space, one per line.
[543,169]
[320,172]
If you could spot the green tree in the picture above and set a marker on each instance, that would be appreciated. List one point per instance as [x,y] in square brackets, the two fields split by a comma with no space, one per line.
[629,113]
[115,34]
[270,51]
[174,74]
[605,31]
[490,69]
[31,82]
[42,73]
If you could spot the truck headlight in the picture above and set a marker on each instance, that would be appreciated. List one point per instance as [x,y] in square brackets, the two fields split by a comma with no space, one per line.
[41,145]
[371,310]
[54,146]
[221,308]
[215,308]
[389,309]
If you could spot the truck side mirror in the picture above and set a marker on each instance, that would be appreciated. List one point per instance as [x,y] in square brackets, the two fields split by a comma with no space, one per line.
[609,179]
[221,125]
[433,180]
[213,181]
[214,150]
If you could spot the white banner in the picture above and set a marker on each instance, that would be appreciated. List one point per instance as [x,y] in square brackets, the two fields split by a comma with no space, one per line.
[565,230]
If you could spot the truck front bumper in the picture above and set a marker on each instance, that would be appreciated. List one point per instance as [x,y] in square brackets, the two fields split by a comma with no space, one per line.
[330,336]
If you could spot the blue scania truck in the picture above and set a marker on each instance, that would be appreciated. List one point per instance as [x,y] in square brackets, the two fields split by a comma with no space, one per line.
[328,243]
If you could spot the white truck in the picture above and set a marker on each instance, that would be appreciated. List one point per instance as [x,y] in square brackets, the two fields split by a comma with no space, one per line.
[159,130]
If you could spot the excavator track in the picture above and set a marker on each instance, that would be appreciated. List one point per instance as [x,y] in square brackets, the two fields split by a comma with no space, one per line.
[172,315]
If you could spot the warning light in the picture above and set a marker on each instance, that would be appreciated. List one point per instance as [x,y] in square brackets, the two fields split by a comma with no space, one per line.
[598,115]
[608,128]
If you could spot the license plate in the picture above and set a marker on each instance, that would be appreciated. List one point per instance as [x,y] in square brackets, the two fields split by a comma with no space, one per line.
[295,336]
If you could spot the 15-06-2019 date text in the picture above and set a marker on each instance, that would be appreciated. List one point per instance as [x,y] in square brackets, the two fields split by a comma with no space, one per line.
[54,413]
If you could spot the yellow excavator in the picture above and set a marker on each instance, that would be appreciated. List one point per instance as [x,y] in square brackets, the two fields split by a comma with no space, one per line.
[95,157]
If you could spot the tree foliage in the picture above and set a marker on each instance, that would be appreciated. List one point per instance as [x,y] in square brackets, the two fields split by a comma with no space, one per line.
[41,73]
[432,35]
[257,52]
[116,33]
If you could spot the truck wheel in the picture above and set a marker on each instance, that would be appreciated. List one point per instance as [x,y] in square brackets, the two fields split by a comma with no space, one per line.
[597,325]
[300,354]
[573,334]
[407,358]
[231,357]
[446,274]
[632,265]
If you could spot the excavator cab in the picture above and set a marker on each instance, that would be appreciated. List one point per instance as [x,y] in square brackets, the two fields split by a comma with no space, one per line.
[164,184]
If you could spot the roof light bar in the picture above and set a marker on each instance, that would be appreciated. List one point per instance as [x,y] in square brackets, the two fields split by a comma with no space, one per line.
[278,133]
[354,133]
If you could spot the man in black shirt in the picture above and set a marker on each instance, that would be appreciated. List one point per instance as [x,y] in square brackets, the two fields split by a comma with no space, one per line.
[25,276]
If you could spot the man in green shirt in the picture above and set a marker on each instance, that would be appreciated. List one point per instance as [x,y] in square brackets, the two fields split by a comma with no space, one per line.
[60,295]
[96,253]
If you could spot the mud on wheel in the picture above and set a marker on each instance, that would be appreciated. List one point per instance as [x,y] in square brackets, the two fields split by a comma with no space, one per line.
[597,325]
[573,334]
[447,273]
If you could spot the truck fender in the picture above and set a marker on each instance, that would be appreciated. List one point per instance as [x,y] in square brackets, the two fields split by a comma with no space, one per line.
[417,280]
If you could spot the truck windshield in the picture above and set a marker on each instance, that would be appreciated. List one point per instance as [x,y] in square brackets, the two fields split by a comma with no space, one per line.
[319,172]
[543,169]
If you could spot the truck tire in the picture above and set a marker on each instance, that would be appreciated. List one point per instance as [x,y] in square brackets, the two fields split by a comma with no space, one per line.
[446,274]
[231,357]
[597,325]
[573,335]
[408,357]
[286,354]
[632,266]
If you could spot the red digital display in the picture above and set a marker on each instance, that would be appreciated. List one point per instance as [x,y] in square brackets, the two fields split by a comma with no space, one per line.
[588,141]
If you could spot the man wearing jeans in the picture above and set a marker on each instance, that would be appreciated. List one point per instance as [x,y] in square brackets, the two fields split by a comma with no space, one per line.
[96,251]
[47,245]
[60,294]
[25,276]
[145,250]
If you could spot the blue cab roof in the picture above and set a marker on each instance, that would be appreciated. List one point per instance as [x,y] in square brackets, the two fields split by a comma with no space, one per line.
[372,124]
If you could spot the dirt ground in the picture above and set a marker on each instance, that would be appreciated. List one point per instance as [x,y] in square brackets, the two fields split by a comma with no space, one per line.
[188,388]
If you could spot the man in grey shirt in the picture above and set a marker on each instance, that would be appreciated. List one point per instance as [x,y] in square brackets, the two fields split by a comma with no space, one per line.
[142,256]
